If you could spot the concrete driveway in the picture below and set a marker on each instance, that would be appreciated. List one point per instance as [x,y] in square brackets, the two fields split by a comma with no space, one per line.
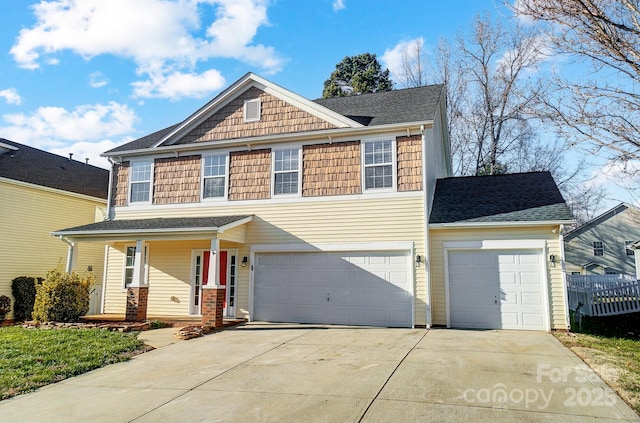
[279,373]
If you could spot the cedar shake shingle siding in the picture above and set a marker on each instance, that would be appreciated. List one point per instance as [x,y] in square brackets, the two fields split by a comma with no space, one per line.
[276,117]
[250,175]
[176,180]
[120,184]
[409,163]
[331,169]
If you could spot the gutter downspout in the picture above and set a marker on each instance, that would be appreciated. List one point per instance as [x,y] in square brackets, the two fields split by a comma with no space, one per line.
[564,277]
[427,255]
[110,189]
[71,258]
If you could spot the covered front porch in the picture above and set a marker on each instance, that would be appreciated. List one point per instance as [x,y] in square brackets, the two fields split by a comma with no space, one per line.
[183,268]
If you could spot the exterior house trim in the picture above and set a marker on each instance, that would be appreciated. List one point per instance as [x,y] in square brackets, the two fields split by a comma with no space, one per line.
[471,225]
[227,159]
[330,135]
[394,164]
[244,83]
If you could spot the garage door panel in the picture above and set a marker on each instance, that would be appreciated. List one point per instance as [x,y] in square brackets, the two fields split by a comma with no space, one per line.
[513,278]
[353,288]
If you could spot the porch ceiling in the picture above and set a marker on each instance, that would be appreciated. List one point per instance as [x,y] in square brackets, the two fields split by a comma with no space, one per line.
[154,229]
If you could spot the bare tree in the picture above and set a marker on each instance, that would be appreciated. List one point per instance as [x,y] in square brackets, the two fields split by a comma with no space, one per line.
[495,93]
[601,108]
[415,66]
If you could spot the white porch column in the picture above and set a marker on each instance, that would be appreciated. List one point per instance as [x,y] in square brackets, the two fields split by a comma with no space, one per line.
[72,254]
[636,254]
[213,277]
[138,265]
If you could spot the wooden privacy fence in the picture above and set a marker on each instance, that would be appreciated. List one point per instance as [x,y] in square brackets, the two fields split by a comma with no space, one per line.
[603,295]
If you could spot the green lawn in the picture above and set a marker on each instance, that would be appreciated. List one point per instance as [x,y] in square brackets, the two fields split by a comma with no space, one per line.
[31,358]
[611,347]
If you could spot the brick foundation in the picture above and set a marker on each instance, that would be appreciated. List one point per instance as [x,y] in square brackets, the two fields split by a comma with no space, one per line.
[212,306]
[137,303]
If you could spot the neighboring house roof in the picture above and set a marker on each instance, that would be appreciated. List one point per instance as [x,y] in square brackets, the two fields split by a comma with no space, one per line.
[388,107]
[597,220]
[19,162]
[519,197]
[382,108]
[155,226]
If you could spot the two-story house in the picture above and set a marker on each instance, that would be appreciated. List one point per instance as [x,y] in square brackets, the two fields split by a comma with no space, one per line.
[41,192]
[600,246]
[319,212]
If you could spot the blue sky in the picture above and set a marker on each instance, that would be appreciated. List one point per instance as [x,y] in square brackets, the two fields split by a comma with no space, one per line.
[82,76]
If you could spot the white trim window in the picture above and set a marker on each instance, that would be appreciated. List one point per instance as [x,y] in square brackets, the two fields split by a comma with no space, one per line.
[140,181]
[628,250]
[129,263]
[286,171]
[598,248]
[378,163]
[214,176]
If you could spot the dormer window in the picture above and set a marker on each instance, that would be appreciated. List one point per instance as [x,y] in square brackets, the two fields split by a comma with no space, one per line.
[252,110]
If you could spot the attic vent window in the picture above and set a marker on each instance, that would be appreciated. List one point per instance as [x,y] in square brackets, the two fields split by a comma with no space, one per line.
[252,110]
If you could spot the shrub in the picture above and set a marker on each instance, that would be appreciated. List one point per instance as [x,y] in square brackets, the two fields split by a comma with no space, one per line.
[62,297]
[23,289]
[5,306]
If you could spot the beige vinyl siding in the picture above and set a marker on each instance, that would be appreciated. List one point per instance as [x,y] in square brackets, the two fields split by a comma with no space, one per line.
[29,215]
[378,219]
[438,236]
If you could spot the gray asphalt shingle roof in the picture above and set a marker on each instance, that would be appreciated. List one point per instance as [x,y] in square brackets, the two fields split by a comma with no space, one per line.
[28,164]
[382,108]
[519,197]
[160,224]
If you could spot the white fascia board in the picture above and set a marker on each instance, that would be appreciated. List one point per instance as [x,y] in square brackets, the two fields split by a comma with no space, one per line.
[499,224]
[107,232]
[235,224]
[333,247]
[330,135]
[9,147]
[240,86]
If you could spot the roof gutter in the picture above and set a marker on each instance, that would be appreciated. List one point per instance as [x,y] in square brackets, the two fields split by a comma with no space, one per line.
[110,189]
[499,224]
[334,134]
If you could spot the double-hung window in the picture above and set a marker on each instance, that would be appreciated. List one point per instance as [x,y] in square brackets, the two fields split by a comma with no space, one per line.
[628,250]
[286,171]
[214,176]
[140,182]
[598,248]
[129,264]
[378,164]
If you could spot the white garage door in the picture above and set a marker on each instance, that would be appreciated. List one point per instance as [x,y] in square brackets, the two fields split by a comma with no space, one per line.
[496,290]
[370,288]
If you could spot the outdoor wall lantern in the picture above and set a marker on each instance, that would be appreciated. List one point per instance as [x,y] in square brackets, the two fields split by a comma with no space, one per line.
[418,260]
[244,261]
[553,259]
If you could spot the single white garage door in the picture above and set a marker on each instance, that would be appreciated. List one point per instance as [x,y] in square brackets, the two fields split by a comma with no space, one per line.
[496,290]
[354,288]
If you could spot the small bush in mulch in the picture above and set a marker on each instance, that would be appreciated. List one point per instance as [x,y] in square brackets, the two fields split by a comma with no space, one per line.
[23,289]
[5,306]
[62,297]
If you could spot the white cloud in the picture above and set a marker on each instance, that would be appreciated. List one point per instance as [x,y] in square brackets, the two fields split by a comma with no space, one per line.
[178,85]
[392,58]
[85,131]
[97,80]
[160,36]
[338,5]
[10,96]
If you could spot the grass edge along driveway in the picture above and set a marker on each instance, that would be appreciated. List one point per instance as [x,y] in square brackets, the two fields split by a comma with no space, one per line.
[615,360]
[32,358]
